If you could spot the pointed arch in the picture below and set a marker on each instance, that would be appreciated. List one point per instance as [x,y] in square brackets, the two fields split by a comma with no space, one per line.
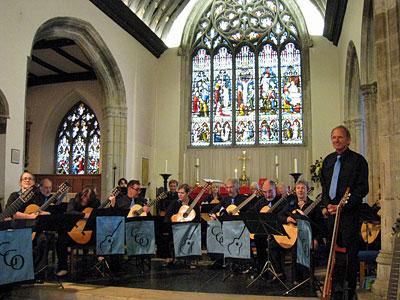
[113,91]
[354,115]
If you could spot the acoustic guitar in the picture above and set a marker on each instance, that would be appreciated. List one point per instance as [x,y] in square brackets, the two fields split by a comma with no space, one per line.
[78,234]
[137,210]
[33,208]
[327,289]
[370,231]
[291,229]
[234,210]
[186,213]
[267,209]
[393,283]
[17,204]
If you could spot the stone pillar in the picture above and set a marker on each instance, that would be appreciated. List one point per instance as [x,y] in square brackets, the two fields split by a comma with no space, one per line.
[386,20]
[356,128]
[114,147]
[369,94]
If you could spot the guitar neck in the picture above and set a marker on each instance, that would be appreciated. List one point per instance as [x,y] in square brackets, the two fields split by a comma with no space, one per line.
[239,207]
[114,193]
[283,198]
[192,205]
[17,204]
[313,205]
[154,201]
[394,270]
[52,199]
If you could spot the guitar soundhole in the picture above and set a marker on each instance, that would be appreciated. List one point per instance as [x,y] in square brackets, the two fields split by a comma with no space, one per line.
[185,215]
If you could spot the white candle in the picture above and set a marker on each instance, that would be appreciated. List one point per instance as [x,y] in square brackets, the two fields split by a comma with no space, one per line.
[197,161]
[235,173]
[276,159]
[166,166]
[295,165]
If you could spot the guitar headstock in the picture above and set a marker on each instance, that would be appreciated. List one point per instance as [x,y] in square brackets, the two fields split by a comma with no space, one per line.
[115,191]
[259,192]
[28,194]
[65,186]
[345,197]
[163,195]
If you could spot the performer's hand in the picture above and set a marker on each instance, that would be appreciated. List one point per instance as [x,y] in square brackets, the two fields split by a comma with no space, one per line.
[291,220]
[332,209]
[86,216]
[146,209]
[324,212]
[213,217]
[112,200]
[44,213]
[32,216]
[8,219]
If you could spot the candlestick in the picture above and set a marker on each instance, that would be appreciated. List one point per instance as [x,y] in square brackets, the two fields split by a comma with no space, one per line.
[295,165]
[165,176]
[197,165]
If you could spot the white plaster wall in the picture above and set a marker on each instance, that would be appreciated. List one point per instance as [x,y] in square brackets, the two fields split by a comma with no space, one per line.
[19,21]
[325,95]
[168,118]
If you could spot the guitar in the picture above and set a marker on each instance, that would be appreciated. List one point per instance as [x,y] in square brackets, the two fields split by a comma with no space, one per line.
[77,233]
[291,229]
[267,209]
[370,231]
[137,210]
[186,213]
[33,208]
[327,289]
[17,204]
[234,210]
[187,245]
[393,283]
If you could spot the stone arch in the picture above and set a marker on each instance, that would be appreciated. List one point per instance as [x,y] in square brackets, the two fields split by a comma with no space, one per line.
[113,91]
[353,103]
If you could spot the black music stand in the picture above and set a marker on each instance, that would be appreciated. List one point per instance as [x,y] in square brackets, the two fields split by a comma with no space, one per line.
[265,225]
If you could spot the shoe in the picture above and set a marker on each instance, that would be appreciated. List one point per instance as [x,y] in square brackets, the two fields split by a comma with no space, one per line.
[282,277]
[62,273]
[248,270]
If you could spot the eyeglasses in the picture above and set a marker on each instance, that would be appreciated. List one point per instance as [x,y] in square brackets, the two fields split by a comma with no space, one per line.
[137,189]
[27,178]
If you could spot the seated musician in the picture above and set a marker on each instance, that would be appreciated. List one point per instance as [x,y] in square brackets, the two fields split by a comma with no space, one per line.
[45,187]
[301,201]
[131,198]
[172,195]
[254,188]
[233,198]
[281,188]
[26,181]
[264,205]
[213,196]
[84,199]
[123,185]
[173,209]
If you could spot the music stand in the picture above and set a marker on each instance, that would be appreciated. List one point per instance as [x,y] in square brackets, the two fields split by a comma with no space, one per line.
[265,225]
[236,264]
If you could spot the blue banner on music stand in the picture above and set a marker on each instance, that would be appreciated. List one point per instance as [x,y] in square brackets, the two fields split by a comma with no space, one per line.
[140,237]
[187,239]
[215,237]
[303,242]
[16,262]
[236,239]
[110,235]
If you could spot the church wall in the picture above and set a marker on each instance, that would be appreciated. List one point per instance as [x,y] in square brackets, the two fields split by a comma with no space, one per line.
[20,20]
[167,120]
[46,107]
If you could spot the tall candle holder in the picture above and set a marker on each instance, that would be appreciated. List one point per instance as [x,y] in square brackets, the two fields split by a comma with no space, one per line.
[296,176]
[197,165]
[165,176]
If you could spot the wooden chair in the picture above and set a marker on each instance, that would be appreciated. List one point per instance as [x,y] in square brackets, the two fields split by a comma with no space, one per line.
[367,259]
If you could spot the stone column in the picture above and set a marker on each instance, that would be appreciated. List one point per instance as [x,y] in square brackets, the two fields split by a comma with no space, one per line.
[369,94]
[386,20]
[114,147]
[356,128]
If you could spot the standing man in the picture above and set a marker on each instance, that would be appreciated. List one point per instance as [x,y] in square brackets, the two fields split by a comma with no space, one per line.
[172,195]
[341,169]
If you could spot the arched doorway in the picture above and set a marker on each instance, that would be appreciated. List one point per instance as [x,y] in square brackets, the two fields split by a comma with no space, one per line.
[4,115]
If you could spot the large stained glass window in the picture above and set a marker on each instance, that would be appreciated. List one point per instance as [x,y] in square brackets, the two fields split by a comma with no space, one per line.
[78,142]
[246,75]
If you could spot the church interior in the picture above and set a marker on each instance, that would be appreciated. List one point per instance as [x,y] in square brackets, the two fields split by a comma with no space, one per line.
[249,89]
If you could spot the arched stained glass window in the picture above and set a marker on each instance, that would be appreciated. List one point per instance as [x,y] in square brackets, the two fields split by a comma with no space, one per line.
[78,142]
[246,75]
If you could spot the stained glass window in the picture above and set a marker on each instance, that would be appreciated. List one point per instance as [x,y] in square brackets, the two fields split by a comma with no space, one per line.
[78,142]
[246,75]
